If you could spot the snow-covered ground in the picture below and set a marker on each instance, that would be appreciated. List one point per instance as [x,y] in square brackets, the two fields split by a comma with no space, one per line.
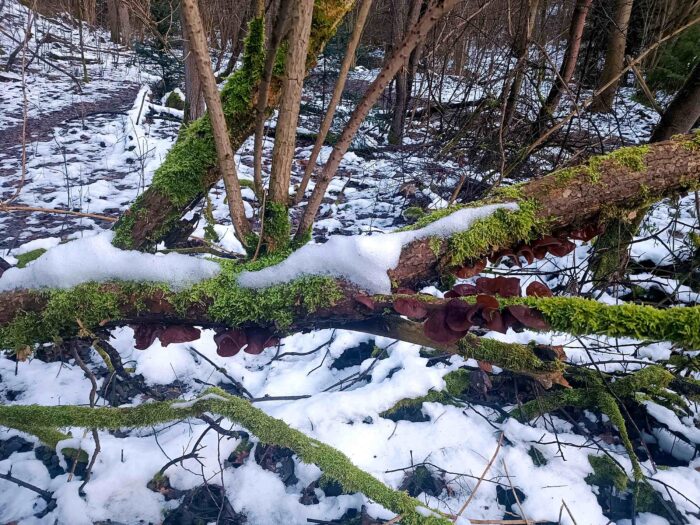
[333,385]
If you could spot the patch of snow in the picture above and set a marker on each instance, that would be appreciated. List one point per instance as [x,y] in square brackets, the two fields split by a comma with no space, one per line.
[363,259]
[95,259]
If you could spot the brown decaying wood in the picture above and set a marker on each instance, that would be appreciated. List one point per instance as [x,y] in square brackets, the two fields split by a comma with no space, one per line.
[199,49]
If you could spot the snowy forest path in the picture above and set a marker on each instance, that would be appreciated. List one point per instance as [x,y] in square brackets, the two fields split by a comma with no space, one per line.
[87,156]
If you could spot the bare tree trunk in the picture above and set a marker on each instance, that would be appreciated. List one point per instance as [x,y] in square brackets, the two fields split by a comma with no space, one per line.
[279,30]
[568,66]
[194,98]
[113,20]
[614,56]
[124,23]
[200,52]
[403,77]
[276,215]
[527,23]
[89,11]
[348,59]
[391,66]
[683,111]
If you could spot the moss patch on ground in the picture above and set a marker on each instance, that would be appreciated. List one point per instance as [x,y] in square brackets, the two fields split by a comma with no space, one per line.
[24,259]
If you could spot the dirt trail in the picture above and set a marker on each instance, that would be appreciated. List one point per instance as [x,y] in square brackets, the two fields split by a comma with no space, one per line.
[21,227]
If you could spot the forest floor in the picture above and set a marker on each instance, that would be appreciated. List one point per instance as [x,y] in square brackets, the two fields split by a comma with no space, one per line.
[95,151]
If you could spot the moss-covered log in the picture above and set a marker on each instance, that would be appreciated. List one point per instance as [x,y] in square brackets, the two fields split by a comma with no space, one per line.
[561,202]
[190,168]
[28,317]
[269,430]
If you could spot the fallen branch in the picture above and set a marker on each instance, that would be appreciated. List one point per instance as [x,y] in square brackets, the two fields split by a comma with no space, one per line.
[268,429]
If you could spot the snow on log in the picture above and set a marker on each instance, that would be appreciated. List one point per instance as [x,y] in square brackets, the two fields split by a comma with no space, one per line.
[364,260]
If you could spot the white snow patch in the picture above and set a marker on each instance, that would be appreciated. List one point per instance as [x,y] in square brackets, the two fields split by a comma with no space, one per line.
[362,259]
[95,259]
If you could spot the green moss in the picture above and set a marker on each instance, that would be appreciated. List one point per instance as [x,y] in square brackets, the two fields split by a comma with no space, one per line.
[24,259]
[511,356]
[246,183]
[174,100]
[280,59]
[606,473]
[435,244]
[277,227]
[537,457]
[651,378]
[91,303]
[692,143]
[397,411]
[413,213]
[209,230]
[226,302]
[608,405]
[579,316]
[501,229]
[578,398]
[456,382]
[276,305]
[431,217]
[269,430]
[632,157]
[513,192]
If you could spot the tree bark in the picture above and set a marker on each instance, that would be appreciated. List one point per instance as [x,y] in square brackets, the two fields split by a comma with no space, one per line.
[124,23]
[614,56]
[403,80]
[277,226]
[348,59]
[157,211]
[279,30]
[292,83]
[391,66]
[113,20]
[683,111]
[224,152]
[194,99]
[568,66]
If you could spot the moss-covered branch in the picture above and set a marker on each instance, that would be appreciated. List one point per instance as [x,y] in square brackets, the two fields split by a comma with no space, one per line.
[30,317]
[561,202]
[269,430]
[602,393]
